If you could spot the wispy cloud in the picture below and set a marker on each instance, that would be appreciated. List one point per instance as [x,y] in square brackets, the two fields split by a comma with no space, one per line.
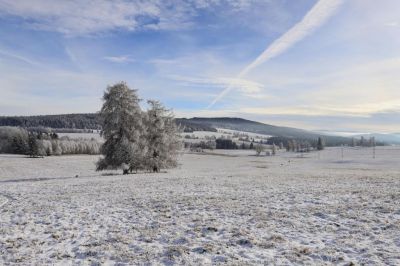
[19,57]
[245,86]
[359,110]
[71,55]
[83,17]
[316,17]
[394,24]
[119,59]
[77,17]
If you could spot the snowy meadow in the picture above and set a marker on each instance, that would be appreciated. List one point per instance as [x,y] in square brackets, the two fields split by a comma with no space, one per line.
[199,132]
[217,207]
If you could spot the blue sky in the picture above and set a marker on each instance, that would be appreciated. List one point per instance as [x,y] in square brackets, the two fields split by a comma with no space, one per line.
[328,64]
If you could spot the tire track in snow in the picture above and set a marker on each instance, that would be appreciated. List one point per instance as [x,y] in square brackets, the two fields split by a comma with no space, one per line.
[36,179]
[7,200]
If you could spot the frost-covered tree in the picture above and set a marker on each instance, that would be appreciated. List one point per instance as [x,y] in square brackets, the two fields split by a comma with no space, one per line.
[372,142]
[289,145]
[47,147]
[259,149]
[251,146]
[273,150]
[162,138]
[56,147]
[20,144]
[33,146]
[363,141]
[41,147]
[121,119]
[353,142]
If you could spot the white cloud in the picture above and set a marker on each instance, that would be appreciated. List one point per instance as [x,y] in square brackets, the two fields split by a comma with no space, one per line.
[311,21]
[394,24]
[77,17]
[119,59]
[359,110]
[82,17]
[358,90]
[50,91]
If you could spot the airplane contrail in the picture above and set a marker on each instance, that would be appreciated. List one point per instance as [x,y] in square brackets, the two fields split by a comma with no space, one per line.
[314,18]
[20,58]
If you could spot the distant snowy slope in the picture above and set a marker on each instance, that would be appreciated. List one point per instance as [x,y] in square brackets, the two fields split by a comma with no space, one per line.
[241,124]
[92,121]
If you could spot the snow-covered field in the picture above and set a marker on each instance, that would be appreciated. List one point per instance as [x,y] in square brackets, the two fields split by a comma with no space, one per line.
[226,133]
[232,208]
[250,134]
[95,136]
[205,134]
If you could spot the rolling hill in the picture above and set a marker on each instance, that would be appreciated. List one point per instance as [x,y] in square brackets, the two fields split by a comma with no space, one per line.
[241,124]
[92,121]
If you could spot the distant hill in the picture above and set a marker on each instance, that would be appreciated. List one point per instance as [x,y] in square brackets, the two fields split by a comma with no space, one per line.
[80,121]
[241,124]
[91,121]
[77,121]
[188,125]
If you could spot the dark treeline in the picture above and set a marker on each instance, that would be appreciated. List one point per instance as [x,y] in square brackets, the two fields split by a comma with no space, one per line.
[221,143]
[218,143]
[365,142]
[330,141]
[297,144]
[77,123]
[187,126]
[226,144]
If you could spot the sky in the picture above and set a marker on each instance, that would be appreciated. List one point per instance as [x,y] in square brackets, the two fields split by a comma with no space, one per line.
[318,65]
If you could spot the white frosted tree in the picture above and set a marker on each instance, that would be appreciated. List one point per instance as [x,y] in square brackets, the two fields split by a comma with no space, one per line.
[56,147]
[162,139]
[259,149]
[48,148]
[33,146]
[122,122]
[273,150]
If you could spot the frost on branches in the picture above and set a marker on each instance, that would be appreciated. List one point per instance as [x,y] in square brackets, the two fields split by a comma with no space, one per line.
[136,140]
[162,139]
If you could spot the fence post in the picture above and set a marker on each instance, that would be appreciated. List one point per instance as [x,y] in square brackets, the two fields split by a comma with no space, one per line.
[374,152]
[342,152]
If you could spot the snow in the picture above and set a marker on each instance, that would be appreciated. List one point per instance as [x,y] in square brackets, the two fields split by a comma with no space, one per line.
[202,135]
[219,207]
[250,134]
[95,136]
[222,132]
